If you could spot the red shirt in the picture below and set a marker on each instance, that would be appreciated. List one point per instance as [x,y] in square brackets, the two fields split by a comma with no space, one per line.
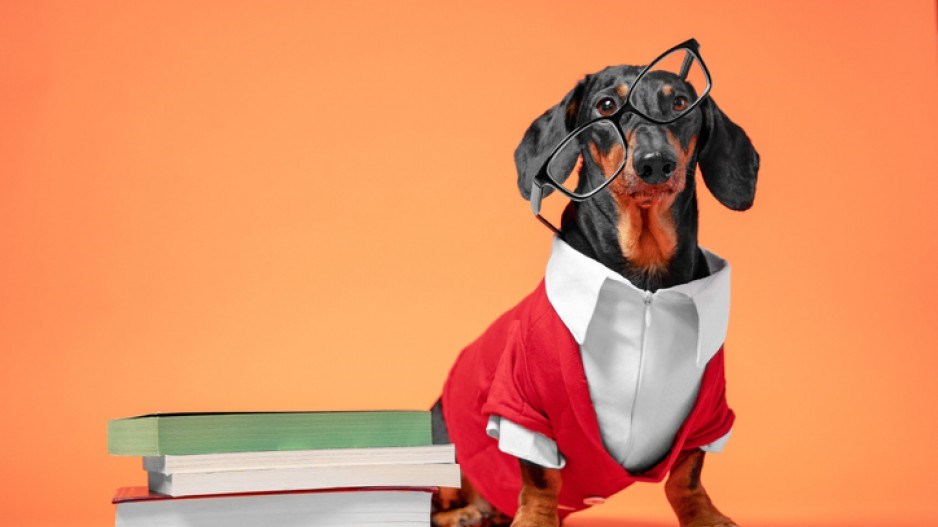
[526,367]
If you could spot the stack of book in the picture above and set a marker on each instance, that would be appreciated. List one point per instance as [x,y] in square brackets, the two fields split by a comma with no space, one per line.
[366,469]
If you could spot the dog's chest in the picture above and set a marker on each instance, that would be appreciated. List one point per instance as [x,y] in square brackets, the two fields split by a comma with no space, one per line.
[639,359]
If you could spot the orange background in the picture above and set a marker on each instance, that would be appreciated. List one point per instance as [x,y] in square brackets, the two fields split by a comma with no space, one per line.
[276,206]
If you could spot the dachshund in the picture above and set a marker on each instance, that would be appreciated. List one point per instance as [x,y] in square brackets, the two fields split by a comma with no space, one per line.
[643,225]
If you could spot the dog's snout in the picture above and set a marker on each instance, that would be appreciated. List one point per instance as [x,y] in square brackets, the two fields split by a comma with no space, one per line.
[654,167]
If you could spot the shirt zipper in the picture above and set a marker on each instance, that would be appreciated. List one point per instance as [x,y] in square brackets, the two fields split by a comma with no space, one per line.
[647,313]
[638,381]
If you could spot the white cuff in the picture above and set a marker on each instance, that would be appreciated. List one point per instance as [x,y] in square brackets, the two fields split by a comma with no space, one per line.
[520,442]
[717,446]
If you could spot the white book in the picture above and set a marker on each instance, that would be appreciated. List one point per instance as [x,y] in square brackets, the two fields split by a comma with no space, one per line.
[300,458]
[391,508]
[284,479]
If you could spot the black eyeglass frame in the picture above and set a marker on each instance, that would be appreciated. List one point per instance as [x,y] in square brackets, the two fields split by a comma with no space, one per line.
[542,178]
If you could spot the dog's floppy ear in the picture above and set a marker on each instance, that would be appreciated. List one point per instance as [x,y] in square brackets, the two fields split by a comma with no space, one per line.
[544,134]
[727,159]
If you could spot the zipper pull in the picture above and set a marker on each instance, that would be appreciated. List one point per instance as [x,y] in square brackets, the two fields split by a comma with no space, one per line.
[647,309]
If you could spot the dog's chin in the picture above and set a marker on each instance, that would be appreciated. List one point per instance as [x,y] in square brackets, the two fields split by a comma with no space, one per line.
[648,196]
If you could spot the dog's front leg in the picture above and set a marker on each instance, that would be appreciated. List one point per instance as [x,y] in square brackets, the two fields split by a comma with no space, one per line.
[687,495]
[537,504]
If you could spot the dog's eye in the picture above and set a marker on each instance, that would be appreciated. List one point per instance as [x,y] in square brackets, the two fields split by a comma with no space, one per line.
[606,106]
[680,103]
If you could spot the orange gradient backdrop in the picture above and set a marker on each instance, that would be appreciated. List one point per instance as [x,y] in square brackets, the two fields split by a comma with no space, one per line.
[296,205]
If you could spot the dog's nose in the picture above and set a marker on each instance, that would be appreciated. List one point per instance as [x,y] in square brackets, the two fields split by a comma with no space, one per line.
[654,167]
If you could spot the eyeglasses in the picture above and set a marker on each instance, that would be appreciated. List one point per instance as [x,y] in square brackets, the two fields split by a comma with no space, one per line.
[594,153]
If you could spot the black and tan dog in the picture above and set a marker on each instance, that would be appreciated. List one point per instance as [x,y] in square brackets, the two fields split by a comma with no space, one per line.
[643,226]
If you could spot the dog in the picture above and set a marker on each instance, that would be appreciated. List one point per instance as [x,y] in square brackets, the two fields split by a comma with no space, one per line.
[642,227]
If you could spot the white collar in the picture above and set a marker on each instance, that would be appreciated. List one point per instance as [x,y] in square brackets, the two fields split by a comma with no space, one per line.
[573,281]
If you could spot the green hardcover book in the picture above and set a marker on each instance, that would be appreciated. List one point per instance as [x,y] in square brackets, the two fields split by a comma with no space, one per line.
[213,433]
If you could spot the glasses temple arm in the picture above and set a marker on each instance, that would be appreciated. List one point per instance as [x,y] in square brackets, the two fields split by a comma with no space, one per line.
[536,195]
[685,67]
[536,198]
[548,224]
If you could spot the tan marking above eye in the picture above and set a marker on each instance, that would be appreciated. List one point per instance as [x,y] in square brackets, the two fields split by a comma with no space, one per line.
[622,89]
[667,89]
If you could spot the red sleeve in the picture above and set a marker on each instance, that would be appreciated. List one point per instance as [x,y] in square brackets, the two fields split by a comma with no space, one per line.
[715,417]
[512,395]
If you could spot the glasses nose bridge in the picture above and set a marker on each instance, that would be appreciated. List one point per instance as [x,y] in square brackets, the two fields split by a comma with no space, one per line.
[623,121]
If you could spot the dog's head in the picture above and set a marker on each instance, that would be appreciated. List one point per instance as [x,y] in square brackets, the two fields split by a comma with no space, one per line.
[660,159]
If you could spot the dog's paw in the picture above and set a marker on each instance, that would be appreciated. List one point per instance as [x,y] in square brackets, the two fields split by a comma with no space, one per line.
[536,518]
[468,516]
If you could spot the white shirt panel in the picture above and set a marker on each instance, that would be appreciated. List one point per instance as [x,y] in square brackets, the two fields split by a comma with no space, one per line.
[643,355]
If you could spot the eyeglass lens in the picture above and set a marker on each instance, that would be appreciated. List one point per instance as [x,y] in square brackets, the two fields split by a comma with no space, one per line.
[671,87]
[589,158]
